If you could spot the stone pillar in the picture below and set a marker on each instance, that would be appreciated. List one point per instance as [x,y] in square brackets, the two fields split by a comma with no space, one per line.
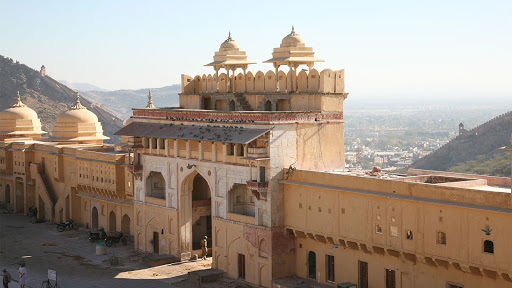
[214,151]
[245,79]
[200,156]
[157,146]
[235,153]
[176,148]
[150,145]
[227,80]
[187,145]
[217,76]
[233,89]
[166,147]
[277,78]
[224,152]
[258,172]
[291,76]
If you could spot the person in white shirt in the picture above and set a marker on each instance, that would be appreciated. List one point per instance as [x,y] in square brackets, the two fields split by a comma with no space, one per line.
[23,275]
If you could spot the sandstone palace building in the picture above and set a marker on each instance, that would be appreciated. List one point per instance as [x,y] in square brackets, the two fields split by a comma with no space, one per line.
[255,161]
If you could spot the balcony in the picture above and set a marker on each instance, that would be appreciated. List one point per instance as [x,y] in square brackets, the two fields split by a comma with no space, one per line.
[134,168]
[258,189]
[259,152]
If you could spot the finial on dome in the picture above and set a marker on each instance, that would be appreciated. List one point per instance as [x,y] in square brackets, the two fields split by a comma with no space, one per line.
[293,30]
[77,105]
[150,101]
[18,101]
[229,36]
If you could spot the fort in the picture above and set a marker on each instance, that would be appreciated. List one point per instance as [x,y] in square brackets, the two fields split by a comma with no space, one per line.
[256,162]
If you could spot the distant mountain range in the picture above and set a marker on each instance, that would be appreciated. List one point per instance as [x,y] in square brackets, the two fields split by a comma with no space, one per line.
[475,151]
[82,86]
[121,102]
[46,96]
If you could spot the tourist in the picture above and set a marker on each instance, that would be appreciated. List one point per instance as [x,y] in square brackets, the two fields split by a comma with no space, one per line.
[204,247]
[34,215]
[23,275]
[6,279]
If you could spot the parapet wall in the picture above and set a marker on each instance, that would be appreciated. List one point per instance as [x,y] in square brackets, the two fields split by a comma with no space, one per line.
[327,81]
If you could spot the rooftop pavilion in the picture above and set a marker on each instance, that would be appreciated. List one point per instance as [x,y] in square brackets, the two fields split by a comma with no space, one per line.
[274,90]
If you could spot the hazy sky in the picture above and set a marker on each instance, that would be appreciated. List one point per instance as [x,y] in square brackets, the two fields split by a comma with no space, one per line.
[428,49]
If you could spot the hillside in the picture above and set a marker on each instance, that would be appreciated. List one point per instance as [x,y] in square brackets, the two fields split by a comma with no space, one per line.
[475,151]
[47,96]
[121,102]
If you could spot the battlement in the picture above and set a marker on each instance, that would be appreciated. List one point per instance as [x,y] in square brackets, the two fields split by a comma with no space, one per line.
[326,81]
[307,91]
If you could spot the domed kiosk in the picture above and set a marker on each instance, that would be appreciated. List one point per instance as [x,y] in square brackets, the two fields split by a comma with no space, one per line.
[230,58]
[78,125]
[292,52]
[19,121]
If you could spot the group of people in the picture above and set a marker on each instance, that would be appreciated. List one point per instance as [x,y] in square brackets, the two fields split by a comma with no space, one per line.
[22,272]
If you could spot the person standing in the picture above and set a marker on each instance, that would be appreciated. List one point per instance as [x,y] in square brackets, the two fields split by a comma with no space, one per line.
[6,279]
[23,275]
[34,215]
[204,247]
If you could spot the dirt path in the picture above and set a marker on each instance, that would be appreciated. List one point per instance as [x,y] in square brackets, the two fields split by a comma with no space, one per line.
[74,258]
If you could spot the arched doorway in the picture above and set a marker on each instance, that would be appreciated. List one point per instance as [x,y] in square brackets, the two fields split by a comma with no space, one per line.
[7,194]
[112,222]
[201,211]
[125,224]
[20,196]
[311,265]
[268,106]
[232,105]
[94,218]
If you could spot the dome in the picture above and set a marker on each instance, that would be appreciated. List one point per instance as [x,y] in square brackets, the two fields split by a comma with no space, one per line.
[19,120]
[292,40]
[78,125]
[77,116]
[229,44]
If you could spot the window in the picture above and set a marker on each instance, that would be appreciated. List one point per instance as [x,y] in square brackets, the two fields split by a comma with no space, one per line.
[378,229]
[329,262]
[488,247]
[441,238]
[408,235]
[390,278]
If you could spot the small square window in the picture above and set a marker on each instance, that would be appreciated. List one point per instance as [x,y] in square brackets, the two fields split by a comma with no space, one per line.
[441,238]
[408,235]
[378,229]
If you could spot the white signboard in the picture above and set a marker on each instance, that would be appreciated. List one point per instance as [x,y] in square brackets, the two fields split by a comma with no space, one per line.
[52,275]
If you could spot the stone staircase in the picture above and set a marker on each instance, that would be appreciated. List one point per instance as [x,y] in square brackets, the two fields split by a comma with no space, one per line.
[242,102]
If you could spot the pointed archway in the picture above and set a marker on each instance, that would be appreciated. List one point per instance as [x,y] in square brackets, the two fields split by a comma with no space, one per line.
[7,194]
[195,214]
[112,222]
[94,218]
[125,225]
[201,211]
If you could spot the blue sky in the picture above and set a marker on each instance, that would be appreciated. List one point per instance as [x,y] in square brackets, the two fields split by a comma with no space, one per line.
[401,48]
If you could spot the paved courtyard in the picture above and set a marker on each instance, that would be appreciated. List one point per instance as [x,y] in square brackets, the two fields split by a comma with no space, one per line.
[73,256]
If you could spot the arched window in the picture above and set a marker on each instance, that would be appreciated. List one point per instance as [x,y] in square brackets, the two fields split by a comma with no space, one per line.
[232,105]
[488,246]
[268,106]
